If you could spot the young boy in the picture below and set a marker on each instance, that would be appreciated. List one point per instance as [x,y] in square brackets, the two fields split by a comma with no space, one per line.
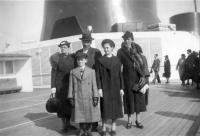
[84,95]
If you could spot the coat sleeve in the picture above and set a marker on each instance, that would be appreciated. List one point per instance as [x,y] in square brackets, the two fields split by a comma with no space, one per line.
[54,62]
[146,70]
[71,87]
[94,85]
[98,76]
[121,78]
[119,55]
[177,66]
[158,65]
[97,56]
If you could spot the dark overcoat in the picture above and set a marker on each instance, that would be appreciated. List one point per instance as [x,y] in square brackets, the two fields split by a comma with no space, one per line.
[110,80]
[189,66]
[83,90]
[167,69]
[180,67]
[133,101]
[93,55]
[61,65]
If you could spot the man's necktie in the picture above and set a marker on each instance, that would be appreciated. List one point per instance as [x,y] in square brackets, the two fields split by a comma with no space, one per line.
[82,72]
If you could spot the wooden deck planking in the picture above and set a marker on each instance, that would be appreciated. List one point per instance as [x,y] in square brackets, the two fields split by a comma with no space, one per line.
[172,111]
[185,116]
[158,122]
[161,126]
[172,125]
[178,122]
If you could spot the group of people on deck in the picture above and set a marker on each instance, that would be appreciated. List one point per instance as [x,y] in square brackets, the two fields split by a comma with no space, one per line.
[156,68]
[93,88]
[189,67]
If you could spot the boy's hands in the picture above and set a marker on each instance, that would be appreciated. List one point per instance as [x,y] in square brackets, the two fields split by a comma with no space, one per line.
[95,101]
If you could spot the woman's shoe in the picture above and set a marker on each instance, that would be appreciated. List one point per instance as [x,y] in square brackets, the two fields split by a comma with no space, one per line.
[129,125]
[139,124]
[80,133]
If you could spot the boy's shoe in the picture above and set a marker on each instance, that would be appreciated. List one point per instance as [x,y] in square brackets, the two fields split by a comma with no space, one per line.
[103,133]
[113,133]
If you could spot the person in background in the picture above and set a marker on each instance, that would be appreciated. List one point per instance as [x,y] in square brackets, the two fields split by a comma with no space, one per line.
[133,74]
[188,66]
[156,68]
[167,69]
[110,85]
[61,64]
[83,95]
[93,54]
[180,68]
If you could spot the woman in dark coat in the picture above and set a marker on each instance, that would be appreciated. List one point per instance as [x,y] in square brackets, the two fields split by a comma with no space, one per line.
[61,65]
[110,85]
[167,69]
[133,74]
[180,68]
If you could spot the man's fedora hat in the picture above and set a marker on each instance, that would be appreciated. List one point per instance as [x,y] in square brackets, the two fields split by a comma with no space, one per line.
[86,37]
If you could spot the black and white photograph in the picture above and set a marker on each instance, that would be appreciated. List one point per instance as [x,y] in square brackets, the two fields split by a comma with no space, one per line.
[99,67]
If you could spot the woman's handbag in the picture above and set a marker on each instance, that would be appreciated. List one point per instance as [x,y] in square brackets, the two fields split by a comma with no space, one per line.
[52,104]
[139,86]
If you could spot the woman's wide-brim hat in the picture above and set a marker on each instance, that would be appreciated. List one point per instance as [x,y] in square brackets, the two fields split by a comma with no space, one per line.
[86,37]
[127,34]
[63,43]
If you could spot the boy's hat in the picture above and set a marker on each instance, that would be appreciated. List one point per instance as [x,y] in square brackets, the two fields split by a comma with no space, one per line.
[81,55]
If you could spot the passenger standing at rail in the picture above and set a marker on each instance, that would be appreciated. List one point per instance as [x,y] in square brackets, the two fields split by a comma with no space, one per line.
[84,95]
[156,68]
[133,74]
[180,68]
[93,54]
[167,69]
[61,65]
[110,85]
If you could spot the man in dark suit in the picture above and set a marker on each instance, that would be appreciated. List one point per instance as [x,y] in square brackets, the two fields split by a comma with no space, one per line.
[93,54]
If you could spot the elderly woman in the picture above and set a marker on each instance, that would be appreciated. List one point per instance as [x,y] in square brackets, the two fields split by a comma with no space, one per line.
[110,85]
[61,64]
[133,75]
